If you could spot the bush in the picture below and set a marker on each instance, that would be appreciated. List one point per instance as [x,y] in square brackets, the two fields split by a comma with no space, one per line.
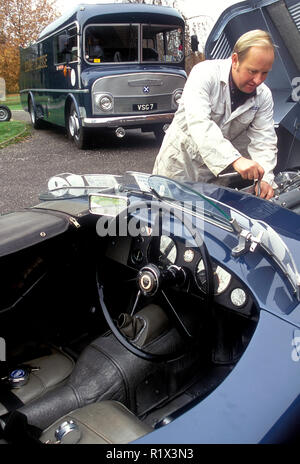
[192,59]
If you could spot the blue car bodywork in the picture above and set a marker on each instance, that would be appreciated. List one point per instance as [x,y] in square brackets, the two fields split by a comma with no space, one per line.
[259,401]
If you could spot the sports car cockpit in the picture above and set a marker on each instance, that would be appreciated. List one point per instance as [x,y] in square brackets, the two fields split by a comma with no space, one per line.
[131,307]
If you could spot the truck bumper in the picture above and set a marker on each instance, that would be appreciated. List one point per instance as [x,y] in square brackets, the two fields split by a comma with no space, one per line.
[136,120]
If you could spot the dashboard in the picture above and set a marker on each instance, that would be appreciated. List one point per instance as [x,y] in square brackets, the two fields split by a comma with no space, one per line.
[164,251]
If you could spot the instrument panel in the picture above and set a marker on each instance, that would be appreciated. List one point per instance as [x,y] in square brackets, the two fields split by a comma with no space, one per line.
[164,251]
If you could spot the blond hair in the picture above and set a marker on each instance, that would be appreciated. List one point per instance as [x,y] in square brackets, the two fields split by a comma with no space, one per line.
[256,38]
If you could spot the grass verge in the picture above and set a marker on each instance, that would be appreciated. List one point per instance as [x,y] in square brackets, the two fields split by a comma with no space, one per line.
[13,131]
[12,101]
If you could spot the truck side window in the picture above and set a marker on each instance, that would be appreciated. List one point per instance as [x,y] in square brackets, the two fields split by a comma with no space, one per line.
[65,46]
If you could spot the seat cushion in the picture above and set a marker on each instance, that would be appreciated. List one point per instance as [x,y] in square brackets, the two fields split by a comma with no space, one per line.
[53,370]
[106,422]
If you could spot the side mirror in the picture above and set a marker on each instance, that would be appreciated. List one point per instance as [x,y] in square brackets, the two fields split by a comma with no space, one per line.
[107,205]
[194,43]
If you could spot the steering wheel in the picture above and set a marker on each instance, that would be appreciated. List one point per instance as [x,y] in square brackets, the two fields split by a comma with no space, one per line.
[152,280]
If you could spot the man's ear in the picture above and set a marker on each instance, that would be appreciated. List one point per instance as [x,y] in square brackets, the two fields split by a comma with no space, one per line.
[235,60]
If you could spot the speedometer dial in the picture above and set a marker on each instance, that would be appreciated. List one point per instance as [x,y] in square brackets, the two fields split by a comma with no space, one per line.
[162,251]
[222,278]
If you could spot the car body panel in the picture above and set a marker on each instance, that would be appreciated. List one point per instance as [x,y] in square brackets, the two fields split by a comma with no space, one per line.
[252,399]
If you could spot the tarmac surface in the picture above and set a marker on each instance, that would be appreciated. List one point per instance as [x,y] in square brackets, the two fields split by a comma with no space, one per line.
[26,166]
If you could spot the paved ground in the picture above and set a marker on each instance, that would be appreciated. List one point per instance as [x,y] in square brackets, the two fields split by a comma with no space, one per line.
[25,167]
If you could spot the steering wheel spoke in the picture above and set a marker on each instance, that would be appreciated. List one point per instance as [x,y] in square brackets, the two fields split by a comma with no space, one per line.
[135,304]
[182,328]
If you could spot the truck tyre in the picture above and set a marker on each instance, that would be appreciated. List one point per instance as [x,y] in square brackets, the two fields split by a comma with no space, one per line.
[76,132]
[159,133]
[5,113]
[36,121]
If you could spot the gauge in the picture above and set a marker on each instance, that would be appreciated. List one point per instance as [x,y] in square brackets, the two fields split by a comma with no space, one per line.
[162,251]
[168,250]
[238,297]
[137,256]
[188,255]
[222,278]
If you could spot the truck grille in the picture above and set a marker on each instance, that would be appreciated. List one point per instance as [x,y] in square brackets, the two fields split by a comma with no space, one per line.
[136,89]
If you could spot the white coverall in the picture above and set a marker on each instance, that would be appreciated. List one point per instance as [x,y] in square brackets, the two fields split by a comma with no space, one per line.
[205,137]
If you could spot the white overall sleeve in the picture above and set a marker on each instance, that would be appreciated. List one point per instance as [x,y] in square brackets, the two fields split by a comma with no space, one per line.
[216,151]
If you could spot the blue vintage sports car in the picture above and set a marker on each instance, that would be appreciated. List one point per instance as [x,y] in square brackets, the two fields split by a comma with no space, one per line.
[135,309]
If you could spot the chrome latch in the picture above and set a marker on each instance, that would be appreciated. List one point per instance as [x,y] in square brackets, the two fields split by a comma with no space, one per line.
[247,242]
[74,222]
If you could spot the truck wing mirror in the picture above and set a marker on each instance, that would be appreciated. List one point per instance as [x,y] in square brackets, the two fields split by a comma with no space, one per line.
[194,43]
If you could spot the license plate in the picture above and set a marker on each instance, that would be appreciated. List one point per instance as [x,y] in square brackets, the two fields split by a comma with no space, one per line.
[145,107]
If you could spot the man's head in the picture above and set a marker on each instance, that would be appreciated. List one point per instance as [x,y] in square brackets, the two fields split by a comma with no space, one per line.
[252,59]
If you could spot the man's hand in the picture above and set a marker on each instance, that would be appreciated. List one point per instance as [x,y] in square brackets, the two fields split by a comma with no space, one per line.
[248,169]
[251,170]
[266,191]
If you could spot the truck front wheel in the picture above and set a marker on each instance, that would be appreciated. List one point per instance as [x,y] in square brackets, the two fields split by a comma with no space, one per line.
[159,133]
[76,132]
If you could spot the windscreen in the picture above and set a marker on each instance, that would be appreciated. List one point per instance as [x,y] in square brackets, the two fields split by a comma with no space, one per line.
[115,43]
[111,43]
[162,43]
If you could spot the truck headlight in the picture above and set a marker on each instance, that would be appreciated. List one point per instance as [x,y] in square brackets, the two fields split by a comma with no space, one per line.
[104,102]
[176,97]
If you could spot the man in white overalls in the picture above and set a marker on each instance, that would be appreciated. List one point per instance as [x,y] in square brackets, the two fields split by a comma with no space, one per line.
[225,119]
